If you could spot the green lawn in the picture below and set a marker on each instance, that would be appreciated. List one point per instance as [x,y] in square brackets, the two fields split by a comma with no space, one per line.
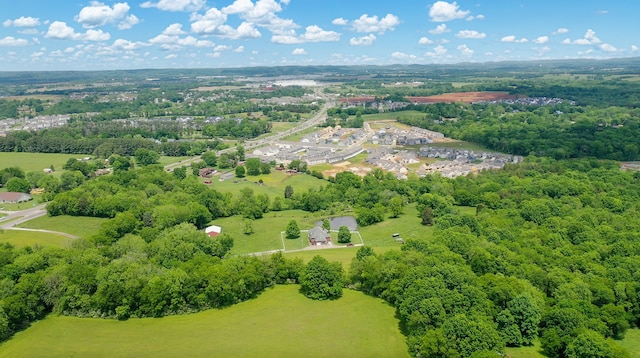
[19,238]
[31,162]
[631,342]
[273,184]
[164,160]
[279,323]
[393,115]
[22,206]
[80,226]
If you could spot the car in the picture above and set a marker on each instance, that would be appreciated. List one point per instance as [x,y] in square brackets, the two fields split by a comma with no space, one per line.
[350,244]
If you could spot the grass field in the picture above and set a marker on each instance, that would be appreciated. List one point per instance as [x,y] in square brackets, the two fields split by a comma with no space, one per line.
[273,184]
[279,323]
[164,160]
[79,226]
[31,162]
[23,205]
[19,238]
[394,115]
[631,342]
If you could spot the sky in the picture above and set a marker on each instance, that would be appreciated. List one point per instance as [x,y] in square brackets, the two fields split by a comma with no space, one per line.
[40,35]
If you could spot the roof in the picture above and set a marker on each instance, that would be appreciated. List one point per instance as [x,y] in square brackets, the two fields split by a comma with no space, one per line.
[213,230]
[318,234]
[13,196]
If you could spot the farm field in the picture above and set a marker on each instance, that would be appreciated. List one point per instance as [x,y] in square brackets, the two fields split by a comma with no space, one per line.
[79,226]
[281,322]
[466,97]
[30,162]
[19,238]
[273,184]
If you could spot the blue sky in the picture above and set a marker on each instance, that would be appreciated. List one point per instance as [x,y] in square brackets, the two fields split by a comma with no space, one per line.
[103,35]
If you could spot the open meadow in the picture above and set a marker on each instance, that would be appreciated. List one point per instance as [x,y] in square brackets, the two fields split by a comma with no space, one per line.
[281,322]
[20,238]
[32,162]
[272,184]
[80,226]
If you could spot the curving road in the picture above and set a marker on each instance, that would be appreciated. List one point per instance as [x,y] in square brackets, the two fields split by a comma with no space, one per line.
[14,218]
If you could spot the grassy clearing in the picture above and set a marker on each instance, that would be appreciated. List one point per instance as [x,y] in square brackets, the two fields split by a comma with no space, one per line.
[267,230]
[164,160]
[407,225]
[33,162]
[393,115]
[458,144]
[22,206]
[19,238]
[79,226]
[525,352]
[631,342]
[279,323]
[273,184]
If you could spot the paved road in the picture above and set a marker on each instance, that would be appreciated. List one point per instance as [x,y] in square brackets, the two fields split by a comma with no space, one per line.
[15,218]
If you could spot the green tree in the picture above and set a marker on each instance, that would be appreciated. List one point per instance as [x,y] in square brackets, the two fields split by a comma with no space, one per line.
[292,231]
[146,157]
[344,235]
[427,216]
[210,158]
[180,172]
[240,171]
[18,185]
[321,279]
[247,226]
[396,206]
[240,152]
[326,224]
[253,166]
[288,192]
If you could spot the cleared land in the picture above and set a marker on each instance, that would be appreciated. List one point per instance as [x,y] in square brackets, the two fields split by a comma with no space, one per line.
[272,184]
[19,238]
[466,97]
[31,162]
[79,226]
[279,323]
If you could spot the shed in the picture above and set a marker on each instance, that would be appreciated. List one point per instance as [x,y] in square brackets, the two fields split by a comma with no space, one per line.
[213,230]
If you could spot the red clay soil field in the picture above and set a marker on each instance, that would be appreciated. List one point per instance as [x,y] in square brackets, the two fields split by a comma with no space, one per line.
[466,97]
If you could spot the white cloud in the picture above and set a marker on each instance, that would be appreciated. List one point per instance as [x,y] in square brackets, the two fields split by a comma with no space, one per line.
[175,5]
[262,14]
[61,31]
[541,50]
[634,48]
[588,39]
[239,49]
[541,40]
[96,35]
[170,56]
[299,52]
[608,48]
[23,21]
[122,44]
[477,17]
[561,30]
[312,34]
[440,29]
[402,56]
[340,21]
[602,12]
[470,34]
[174,30]
[363,41]
[442,11]
[437,51]
[209,23]
[13,42]
[512,38]
[366,23]
[173,42]
[466,51]
[99,14]
[424,41]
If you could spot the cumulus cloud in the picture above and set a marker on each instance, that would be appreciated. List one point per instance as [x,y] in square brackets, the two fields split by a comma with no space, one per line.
[363,41]
[96,35]
[477,17]
[588,39]
[561,30]
[170,56]
[23,21]
[175,5]
[402,56]
[312,34]
[340,21]
[61,31]
[366,23]
[208,23]
[466,51]
[608,48]
[442,11]
[470,34]
[424,41]
[174,30]
[262,14]
[11,41]
[437,51]
[440,29]
[299,52]
[512,38]
[634,48]
[125,45]
[541,40]
[239,49]
[98,14]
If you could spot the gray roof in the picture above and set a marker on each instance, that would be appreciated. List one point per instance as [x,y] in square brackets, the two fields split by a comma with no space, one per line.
[318,234]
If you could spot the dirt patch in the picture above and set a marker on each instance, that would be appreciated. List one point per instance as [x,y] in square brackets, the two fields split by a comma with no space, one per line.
[466,97]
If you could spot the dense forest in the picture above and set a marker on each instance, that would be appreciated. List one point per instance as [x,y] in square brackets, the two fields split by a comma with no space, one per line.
[552,253]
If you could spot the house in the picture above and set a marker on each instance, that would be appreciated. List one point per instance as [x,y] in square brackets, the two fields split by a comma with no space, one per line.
[319,236]
[206,172]
[213,230]
[13,197]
